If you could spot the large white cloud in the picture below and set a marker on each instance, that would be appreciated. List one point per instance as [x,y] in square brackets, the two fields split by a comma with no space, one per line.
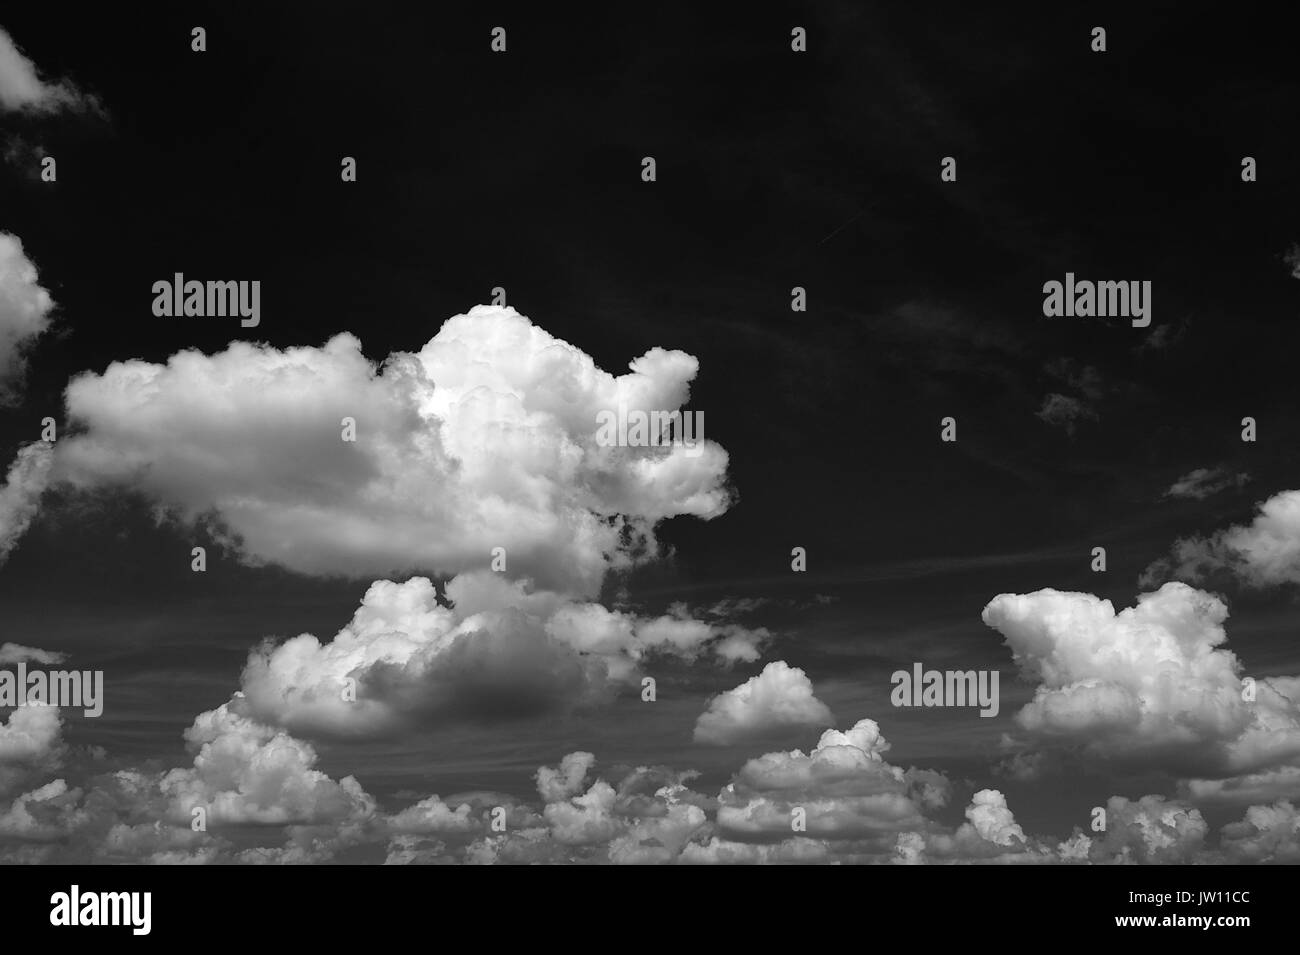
[486,438]
[246,773]
[778,699]
[1151,683]
[25,311]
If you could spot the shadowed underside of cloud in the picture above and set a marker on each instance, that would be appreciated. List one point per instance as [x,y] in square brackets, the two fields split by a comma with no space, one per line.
[251,782]
[1150,685]
[496,649]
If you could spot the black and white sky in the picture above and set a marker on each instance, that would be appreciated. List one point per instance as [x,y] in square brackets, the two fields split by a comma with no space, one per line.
[1164,688]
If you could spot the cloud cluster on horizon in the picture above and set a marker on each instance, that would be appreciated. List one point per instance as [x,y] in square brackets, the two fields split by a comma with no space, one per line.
[248,780]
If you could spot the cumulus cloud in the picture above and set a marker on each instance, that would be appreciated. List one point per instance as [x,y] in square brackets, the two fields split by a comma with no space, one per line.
[495,649]
[651,816]
[646,817]
[1264,553]
[1267,834]
[22,88]
[844,787]
[992,820]
[558,783]
[1201,483]
[245,777]
[256,782]
[31,734]
[1151,683]
[248,773]
[485,438]
[1150,830]
[25,312]
[778,699]
[31,745]
[990,835]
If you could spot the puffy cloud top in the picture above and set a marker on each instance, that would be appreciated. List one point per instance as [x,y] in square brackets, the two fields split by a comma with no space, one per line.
[486,438]
[780,698]
[1151,681]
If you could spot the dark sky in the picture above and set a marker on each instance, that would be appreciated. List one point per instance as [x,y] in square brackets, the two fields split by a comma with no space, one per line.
[774,170]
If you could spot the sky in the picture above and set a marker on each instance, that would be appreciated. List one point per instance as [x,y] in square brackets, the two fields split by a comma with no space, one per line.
[1162,689]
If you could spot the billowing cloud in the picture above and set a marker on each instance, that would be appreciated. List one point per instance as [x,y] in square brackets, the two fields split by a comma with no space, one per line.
[25,311]
[1263,553]
[989,814]
[254,782]
[778,699]
[23,89]
[246,773]
[31,745]
[1151,683]
[500,649]
[561,782]
[1266,834]
[30,734]
[647,817]
[486,438]
[244,777]
[842,789]
[1150,830]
